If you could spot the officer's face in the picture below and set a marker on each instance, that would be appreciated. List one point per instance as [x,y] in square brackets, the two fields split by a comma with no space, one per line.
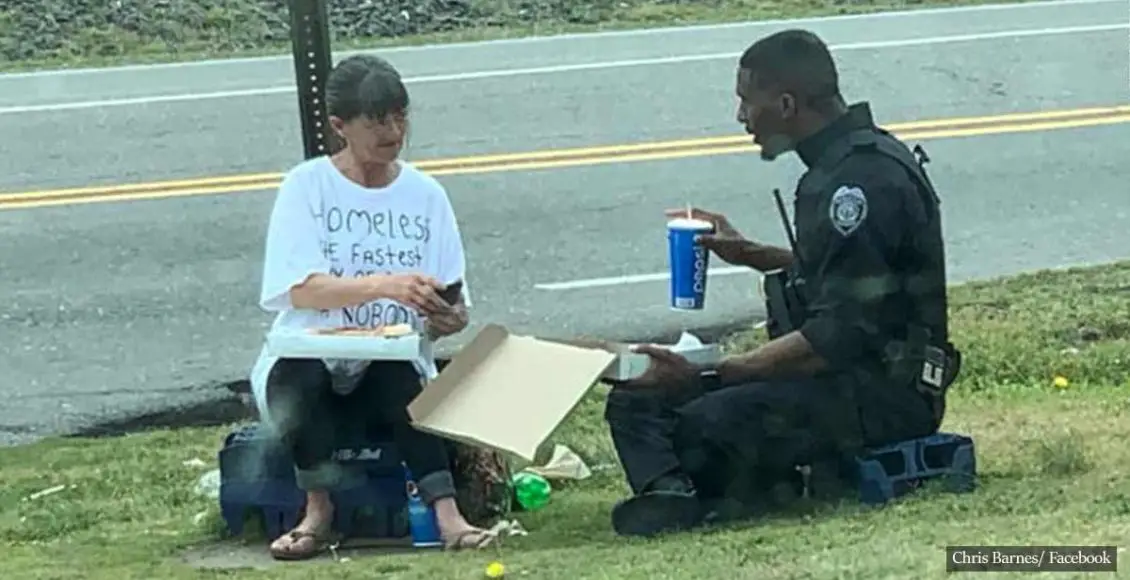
[765,114]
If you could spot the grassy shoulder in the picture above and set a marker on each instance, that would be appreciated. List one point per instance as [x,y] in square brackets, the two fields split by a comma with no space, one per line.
[1052,457]
[199,29]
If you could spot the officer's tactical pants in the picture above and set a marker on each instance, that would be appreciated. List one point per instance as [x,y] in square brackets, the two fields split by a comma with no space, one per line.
[737,442]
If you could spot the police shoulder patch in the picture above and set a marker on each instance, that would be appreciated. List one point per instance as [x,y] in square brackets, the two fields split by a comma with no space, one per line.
[847,209]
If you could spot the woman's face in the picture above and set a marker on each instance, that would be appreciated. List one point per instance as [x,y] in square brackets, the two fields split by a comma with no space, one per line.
[374,140]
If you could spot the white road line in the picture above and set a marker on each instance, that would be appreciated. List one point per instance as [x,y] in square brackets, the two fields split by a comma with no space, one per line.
[1009,6]
[500,73]
[633,279]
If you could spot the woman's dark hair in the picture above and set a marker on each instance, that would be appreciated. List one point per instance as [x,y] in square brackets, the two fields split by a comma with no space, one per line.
[365,86]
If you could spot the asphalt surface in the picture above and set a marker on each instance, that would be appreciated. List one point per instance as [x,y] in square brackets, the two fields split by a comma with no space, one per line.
[121,308]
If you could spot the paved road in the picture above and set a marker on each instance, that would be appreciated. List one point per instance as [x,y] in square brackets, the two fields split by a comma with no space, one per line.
[117,308]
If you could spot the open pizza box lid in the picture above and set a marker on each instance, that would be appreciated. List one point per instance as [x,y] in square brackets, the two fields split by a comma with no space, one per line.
[510,392]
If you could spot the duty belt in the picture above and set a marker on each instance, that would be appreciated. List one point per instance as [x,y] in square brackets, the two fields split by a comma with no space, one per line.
[931,369]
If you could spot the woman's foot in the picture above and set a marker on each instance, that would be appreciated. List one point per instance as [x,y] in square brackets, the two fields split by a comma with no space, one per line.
[467,537]
[311,536]
[456,532]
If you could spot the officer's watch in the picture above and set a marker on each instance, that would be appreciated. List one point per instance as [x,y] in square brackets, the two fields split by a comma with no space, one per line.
[710,379]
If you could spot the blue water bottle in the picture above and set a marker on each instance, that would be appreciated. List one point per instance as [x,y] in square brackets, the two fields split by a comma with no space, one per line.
[421,517]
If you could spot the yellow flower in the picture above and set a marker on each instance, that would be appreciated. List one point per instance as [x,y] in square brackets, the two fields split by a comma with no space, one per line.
[1060,382]
[495,570]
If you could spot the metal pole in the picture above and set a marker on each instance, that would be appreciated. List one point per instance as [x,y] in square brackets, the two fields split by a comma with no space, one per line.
[310,42]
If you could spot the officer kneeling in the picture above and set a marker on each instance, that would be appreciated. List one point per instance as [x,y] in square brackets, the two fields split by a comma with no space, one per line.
[860,353]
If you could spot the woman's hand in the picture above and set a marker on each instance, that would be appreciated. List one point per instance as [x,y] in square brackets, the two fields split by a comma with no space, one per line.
[442,324]
[414,290]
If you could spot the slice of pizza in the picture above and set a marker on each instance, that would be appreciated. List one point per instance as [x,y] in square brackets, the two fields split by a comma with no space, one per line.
[396,330]
[378,332]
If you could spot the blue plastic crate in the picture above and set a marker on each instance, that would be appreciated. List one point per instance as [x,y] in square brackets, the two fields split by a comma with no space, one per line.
[249,455]
[257,476]
[892,471]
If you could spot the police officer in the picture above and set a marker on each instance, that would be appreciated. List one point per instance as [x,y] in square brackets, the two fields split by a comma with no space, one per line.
[861,353]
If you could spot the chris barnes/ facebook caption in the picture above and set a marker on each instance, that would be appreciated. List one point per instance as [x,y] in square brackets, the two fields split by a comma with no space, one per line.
[1032,558]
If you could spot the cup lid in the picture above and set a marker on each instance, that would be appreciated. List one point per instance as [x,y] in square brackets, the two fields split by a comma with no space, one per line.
[689,224]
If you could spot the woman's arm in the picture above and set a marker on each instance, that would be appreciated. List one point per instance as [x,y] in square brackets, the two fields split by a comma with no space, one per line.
[451,268]
[293,255]
[325,292]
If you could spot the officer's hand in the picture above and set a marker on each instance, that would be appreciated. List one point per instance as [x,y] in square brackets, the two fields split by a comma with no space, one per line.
[726,242]
[668,370]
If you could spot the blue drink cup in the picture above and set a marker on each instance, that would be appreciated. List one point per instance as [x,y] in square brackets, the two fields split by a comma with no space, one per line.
[688,260]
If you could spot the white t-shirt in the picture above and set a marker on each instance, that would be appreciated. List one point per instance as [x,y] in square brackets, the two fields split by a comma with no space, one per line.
[323,222]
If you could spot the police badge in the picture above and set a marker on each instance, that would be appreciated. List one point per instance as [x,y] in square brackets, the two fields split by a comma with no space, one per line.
[848,209]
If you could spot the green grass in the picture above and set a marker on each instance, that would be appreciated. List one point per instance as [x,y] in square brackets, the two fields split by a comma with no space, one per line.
[237,35]
[1054,465]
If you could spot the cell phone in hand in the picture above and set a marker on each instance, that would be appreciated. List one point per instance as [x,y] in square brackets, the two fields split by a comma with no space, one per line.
[452,292]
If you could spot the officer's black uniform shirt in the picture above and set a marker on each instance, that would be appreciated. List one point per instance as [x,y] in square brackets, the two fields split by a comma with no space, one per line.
[852,235]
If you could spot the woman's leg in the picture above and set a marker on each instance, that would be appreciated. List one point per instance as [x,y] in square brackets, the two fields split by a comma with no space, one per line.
[387,389]
[301,407]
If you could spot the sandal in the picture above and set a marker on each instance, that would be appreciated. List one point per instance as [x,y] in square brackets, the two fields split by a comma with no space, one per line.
[470,539]
[318,544]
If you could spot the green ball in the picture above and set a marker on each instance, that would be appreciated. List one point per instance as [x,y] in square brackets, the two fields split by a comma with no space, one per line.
[531,490]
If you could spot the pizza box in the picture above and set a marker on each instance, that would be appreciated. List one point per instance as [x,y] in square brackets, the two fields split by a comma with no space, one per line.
[510,392]
[507,391]
[630,365]
[390,343]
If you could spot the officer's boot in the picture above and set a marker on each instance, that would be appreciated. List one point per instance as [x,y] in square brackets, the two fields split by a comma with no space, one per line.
[669,504]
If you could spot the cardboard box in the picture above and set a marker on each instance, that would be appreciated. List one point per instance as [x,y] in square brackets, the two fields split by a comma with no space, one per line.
[510,392]
[300,344]
[507,392]
[630,365]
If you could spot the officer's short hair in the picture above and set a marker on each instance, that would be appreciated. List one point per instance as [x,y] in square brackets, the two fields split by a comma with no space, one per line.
[794,61]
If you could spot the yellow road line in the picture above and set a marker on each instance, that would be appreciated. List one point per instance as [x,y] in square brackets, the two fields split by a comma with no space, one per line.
[740,148]
[742,139]
[553,159]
